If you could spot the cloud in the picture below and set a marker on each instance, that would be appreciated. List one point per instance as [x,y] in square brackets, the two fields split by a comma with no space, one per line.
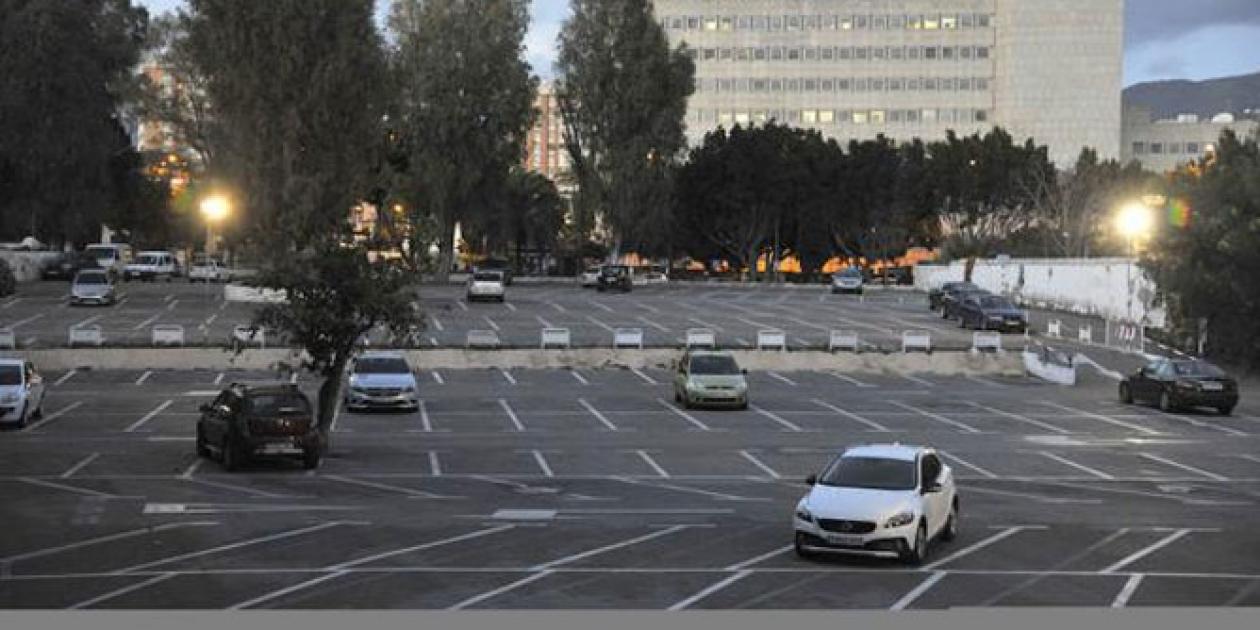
[1209,52]
[1151,21]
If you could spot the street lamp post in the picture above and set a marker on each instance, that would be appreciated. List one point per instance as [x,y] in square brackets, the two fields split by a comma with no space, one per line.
[1134,221]
[214,209]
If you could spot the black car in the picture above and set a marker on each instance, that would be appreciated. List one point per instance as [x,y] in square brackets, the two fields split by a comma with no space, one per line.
[500,265]
[615,278]
[1181,383]
[991,312]
[936,297]
[952,300]
[65,266]
[267,419]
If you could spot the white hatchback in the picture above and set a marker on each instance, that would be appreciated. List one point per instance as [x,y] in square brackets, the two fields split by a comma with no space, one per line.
[21,392]
[887,500]
[486,285]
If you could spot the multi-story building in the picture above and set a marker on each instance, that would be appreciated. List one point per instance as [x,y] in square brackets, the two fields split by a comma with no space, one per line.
[1045,69]
[1163,145]
[545,152]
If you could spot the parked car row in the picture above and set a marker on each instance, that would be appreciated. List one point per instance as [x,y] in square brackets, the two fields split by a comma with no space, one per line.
[977,308]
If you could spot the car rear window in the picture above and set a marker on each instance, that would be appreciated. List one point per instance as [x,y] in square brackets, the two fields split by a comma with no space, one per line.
[91,278]
[850,273]
[10,375]
[277,404]
[996,302]
[381,366]
[487,277]
[876,473]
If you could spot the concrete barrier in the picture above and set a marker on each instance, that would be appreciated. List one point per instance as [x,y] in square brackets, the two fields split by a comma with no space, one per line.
[1054,328]
[986,342]
[86,335]
[168,335]
[242,293]
[1085,334]
[1050,365]
[556,337]
[771,339]
[484,339]
[916,340]
[8,340]
[245,335]
[937,363]
[628,338]
[844,340]
[701,338]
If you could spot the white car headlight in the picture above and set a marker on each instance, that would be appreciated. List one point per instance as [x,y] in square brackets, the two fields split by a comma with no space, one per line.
[900,520]
[9,398]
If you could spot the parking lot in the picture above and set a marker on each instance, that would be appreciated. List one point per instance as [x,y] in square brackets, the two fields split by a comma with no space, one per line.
[591,489]
[41,316]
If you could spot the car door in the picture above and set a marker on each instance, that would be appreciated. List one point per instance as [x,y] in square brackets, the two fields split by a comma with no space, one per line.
[216,418]
[935,504]
[1164,379]
[1145,384]
[35,385]
[680,377]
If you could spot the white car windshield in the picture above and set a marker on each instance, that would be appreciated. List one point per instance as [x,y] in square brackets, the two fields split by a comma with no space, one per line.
[875,473]
[91,278]
[10,375]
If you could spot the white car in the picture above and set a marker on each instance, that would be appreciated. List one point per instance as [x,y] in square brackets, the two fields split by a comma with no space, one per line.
[21,392]
[848,281]
[112,257]
[590,277]
[382,380]
[486,285]
[93,286]
[209,270]
[151,266]
[885,500]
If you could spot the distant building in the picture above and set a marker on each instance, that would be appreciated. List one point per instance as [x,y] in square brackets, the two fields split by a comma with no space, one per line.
[545,152]
[1163,145]
[853,69]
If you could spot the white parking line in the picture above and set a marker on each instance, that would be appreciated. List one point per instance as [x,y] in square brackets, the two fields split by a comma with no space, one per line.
[250,603]
[1186,467]
[507,376]
[80,466]
[1204,425]
[171,307]
[90,320]
[709,590]
[144,377]
[438,377]
[543,322]
[598,416]
[461,304]
[559,309]
[192,468]
[967,464]
[647,379]
[143,531]
[120,592]
[10,303]
[918,591]
[875,426]
[148,416]
[28,320]
[684,415]
[578,375]
[420,547]
[542,463]
[148,321]
[411,492]
[437,323]
[87,492]
[1081,467]
[600,324]
[780,377]
[601,306]
[1006,533]
[651,462]
[1101,418]
[983,381]
[936,416]
[1126,593]
[652,324]
[760,464]
[1148,550]
[759,558]
[510,306]
[850,380]
[31,428]
[516,422]
[65,377]
[491,323]
[613,547]
[261,494]
[425,421]
[477,599]
[1021,418]
[219,379]
[786,425]
[914,379]
[435,466]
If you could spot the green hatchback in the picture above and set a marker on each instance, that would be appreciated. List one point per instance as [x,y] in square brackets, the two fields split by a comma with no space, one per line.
[710,378]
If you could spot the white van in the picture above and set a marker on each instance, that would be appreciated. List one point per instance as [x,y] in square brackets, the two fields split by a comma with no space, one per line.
[112,257]
[151,266]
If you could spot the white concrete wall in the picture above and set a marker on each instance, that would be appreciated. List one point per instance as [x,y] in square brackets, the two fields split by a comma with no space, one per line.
[1112,288]
[27,265]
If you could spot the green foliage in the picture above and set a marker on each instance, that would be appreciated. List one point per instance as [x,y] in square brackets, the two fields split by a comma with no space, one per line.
[1076,206]
[1207,269]
[66,67]
[623,96]
[183,102]
[465,103]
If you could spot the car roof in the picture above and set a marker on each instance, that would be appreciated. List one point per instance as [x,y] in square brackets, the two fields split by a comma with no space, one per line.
[382,354]
[710,353]
[886,451]
[15,362]
[93,272]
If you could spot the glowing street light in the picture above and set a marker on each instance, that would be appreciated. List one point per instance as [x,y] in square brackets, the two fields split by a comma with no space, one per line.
[214,209]
[1134,221]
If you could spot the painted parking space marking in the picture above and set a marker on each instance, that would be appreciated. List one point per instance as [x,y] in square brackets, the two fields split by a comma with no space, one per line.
[598,416]
[760,464]
[1147,550]
[1101,418]
[65,377]
[852,381]
[684,415]
[262,599]
[437,377]
[914,379]
[758,559]
[473,601]
[1204,425]
[1081,467]
[542,463]
[610,547]
[133,427]
[977,546]
[249,542]
[507,376]
[1126,593]
[144,377]
[81,544]
[66,488]
[874,426]
[425,420]
[646,379]
[79,466]
[435,465]
[87,603]
[787,426]
[961,426]
[967,464]
[511,414]
[192,469]
[52,417]
[709,590]
[408,492]
[1019,417]
[1186,467]
[781,378]
[918,591]
[578,377]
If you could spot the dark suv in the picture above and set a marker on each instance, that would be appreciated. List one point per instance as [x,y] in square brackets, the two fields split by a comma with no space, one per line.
[265,419]
[615,277]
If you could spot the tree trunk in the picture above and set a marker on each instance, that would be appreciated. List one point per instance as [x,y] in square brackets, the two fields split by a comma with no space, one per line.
[969,268]
[446,250]
[330,398]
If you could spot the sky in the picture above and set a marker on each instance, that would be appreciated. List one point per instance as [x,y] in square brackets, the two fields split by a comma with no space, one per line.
[1164,39]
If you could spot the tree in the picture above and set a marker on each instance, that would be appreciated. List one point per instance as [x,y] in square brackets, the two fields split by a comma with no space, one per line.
[66,68]
[1204,264]
[298,103]
[466,101]
[1075,204]
[178,96]
[623,97]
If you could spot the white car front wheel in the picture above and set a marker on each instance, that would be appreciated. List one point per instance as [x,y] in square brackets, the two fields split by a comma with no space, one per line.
[916,550]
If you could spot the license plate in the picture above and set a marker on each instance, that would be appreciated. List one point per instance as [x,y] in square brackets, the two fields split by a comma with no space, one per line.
[849,541]
[277,447]
[1213,387]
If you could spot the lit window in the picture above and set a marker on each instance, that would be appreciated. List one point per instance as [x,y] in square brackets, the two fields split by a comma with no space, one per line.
[741,118]
[931,22]
[928,116]
[846,23]
[710,24]
[726,118]
[809,116]
[1209,148]
[860,118]
[826,116]
[949,22]
[878,116]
